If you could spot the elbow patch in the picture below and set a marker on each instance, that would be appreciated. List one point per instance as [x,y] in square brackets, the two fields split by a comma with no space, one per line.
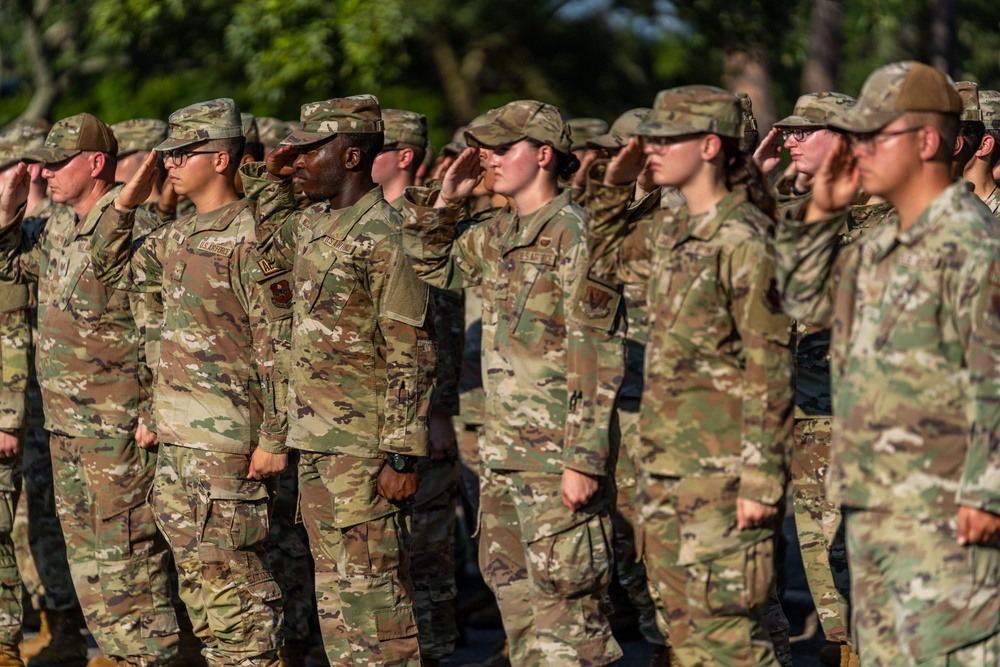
[406,296]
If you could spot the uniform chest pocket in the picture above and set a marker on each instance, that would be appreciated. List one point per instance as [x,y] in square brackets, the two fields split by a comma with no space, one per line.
[690,293]
[537,309]
[909,316]
[324,280]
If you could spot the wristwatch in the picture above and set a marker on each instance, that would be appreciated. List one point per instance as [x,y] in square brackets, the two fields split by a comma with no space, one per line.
[401,462]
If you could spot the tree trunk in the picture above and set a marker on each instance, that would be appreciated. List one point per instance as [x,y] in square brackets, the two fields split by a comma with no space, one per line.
[944,36]
[746,71]
[46,87]
[825,25]
[458,94]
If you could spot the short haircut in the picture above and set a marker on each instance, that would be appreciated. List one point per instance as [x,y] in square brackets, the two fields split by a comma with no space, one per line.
[233,146]
[369,143]
[995,155]
[947,126]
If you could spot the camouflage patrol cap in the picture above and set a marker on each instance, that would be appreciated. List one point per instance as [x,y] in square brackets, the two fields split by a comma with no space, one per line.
[747,120]
[523,119]
[896,89]
[405,127]
[620,130]
[359,114]
[71,136]
[989,106]
[582,130]
[249,124]
[693,110]
[214,119]
[969,92]
[272,130]
[139,134]
[457,144]
[815,109]
[19,139]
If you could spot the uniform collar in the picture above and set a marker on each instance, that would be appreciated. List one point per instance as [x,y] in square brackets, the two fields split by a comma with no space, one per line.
[342,226]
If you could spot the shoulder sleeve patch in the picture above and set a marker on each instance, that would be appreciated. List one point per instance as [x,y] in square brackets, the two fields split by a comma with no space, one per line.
[597,305]
[406,295]
[276,294]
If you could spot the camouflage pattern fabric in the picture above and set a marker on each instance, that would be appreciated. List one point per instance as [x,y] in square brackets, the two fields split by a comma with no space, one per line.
[111,538]
[884,298]
[363,587]
[693,109]
[543,412]
[920,598]
[993,202]
[85,329]
[723,432]
[815,109]
[216,521]
[523,119]
[139,134]
[10,579]
[551,586]
[349,274]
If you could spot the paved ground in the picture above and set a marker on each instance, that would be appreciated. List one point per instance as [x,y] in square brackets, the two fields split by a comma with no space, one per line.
[806,637]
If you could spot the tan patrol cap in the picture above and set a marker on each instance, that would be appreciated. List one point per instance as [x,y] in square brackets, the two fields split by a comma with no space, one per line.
[896,89]
[214,119]
[989,107]
[620,130]
[405,127]
[523,119]
[582,130]
[457,143]
[693,110]
[71,136]
[358,114]
[969,92]
[272,130]
[139,134]
[815,109]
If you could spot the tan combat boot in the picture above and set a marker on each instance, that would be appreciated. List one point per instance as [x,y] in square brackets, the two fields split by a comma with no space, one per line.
[10,656]
[64,646]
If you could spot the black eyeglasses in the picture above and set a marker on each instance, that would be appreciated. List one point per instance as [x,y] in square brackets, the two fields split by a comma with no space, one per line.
[179,156]
[870,141]
[799,135]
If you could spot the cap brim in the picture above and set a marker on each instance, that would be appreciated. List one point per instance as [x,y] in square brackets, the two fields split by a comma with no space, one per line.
[608,141]
[861,120]
[171,144]
[797,121]
[301,138]
[453,148]
[659,128]
[491,136]
[48,155]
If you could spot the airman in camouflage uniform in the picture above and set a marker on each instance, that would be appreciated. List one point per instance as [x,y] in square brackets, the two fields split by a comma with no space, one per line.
[39,543]
[362,363]
[222,428]
[432,561]
[92,370]
[817,521]
[979,170]
[136,138]
[629,566]
[551,369]
[913,307]
[714,447]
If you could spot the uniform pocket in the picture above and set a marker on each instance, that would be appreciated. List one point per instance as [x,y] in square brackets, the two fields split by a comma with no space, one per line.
[237,520]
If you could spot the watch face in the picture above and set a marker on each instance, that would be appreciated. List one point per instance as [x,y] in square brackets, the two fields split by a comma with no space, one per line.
[398,463]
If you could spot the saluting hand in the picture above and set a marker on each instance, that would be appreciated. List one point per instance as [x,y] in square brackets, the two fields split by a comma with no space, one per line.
[977,526]
[625,167]
[14,195]
[280,162]
[580,177]
[140,186]
[461,178]
[768,154]
[836,183]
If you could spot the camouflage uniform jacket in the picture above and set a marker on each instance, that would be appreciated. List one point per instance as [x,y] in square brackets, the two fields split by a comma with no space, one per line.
[90,361]
[915,354]
[362,353]
[718,369]
[15,348]
[217,387]
[812,344]
[551,365]
[993,202]
[448,308]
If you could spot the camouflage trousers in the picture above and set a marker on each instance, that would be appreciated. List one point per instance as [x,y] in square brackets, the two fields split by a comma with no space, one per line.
[216,521]
[549,569]
[361,549]
[116,556]
[289,557]
[432,557]
[630,568]
[920,598]
[38,537]
[10,579]
[721,609]
[820,529]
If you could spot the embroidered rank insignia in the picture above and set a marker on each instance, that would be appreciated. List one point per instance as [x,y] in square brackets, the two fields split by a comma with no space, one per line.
[267,267]
[281,294]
